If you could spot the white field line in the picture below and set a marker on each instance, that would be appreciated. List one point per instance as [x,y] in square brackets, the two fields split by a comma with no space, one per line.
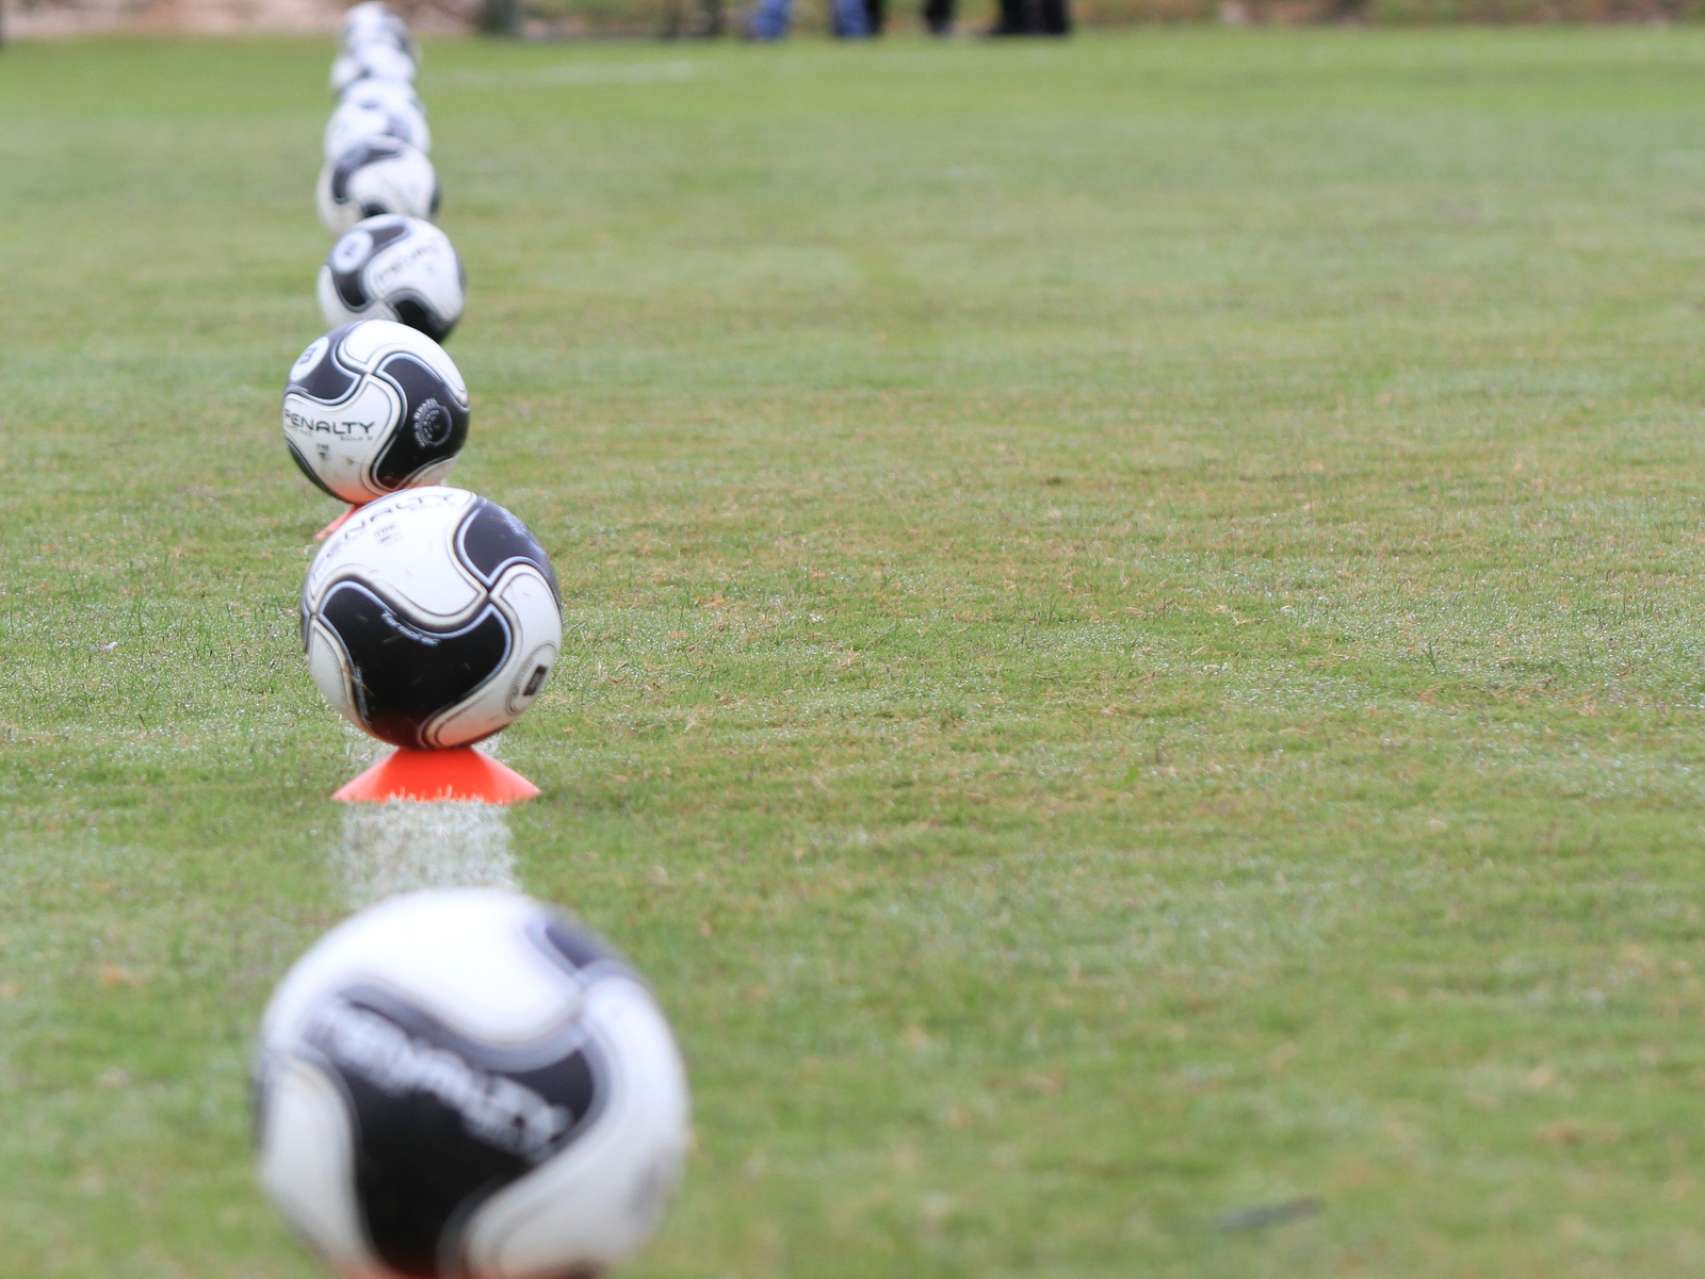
[397,847]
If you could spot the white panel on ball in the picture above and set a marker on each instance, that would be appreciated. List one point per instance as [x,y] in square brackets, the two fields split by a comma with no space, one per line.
[356,121]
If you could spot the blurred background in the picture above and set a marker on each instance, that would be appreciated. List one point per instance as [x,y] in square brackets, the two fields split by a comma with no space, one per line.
[546,19]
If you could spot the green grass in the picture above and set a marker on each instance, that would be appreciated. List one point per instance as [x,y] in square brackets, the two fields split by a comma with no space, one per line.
[1133,635]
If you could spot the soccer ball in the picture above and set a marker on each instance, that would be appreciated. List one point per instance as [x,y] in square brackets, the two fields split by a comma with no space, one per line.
[460,1084]
[375,176]
[374,407]
[372,23]
[394,269]
[376,110]
[381,63]
[389,94]
[431,618]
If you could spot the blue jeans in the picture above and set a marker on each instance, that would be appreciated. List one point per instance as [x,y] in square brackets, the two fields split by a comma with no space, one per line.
[771,19]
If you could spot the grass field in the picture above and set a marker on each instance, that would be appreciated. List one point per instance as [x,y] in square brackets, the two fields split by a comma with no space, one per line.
[1133,635]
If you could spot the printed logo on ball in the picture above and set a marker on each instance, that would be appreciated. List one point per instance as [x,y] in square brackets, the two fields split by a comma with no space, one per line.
[342,428]
[432,424]
[352,251]
[494,1108]
[309,358]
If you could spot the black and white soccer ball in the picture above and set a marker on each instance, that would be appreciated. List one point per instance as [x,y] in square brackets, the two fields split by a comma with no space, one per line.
[373,23]
[460,1084]
[374,407]
[385,93]
[376,110]
[374,177]
[394,269]
[432,618]
[372,63]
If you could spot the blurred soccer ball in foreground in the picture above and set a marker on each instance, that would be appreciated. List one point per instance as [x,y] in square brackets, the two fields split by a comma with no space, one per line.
[432,618]
[376,111]
[374,177]
[394,269]
[459,1083]
[374,407]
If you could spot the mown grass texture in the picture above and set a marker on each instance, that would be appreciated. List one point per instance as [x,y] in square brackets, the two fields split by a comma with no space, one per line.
[1132,612]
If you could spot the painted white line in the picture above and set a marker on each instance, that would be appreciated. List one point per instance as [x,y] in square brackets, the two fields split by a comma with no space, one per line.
[397,847]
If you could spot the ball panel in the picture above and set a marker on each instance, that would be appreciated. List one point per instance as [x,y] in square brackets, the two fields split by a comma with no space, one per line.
[420,279]
[347,265]
[385,61]
[490,540]
[352,160]
[333,306]
[382,544]
[307,470]
[443,1119]
[418,312]
[363,115]
[532,603]
[469,957]
[328,666]
[532,611]
[402,675]
[341,442]
[304,1147]
[434,423]
[365,345]
[619,1175]
[437,473]
[374,177]
[319,374]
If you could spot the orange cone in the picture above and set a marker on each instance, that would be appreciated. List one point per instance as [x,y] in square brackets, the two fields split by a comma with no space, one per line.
[458,773]
[335,525]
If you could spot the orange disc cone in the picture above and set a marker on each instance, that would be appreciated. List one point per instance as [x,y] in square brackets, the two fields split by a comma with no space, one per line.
[335,525]
[424,776]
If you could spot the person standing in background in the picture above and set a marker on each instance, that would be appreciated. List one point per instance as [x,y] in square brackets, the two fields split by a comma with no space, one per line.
[937,16]
[1017,18]
[848,20]
[1033,18]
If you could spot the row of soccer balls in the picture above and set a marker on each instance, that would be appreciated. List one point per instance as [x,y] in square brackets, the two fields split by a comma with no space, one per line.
[378,189]
[454,1083]
[446,634]
[377,139]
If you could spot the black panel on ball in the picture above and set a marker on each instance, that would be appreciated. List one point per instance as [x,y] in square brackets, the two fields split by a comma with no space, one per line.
[418,315]
[351,285]
[403,674]
[442,1122]
[357,157]
[434,421]
[490,539]
[328,382]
